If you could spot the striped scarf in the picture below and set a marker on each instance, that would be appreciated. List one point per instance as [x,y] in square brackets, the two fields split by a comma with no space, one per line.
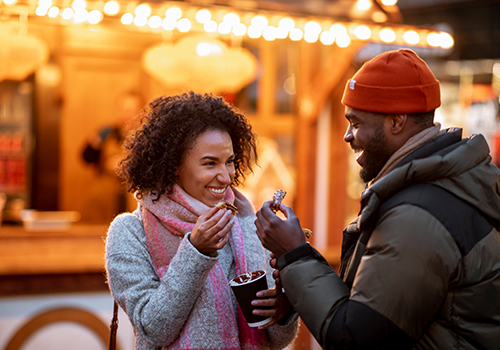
[166,221]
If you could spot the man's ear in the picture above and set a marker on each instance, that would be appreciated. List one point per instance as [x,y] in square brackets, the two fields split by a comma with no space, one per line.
[398,123]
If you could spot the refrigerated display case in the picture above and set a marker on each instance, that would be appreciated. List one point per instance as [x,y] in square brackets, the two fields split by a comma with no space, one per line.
[16,146]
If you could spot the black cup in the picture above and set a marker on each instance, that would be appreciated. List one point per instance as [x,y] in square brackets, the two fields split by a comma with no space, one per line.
[245,288]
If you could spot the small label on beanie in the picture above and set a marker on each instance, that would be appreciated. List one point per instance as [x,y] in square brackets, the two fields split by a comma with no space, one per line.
[351,84]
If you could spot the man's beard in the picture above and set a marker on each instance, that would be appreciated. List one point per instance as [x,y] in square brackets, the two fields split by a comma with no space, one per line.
[376,155]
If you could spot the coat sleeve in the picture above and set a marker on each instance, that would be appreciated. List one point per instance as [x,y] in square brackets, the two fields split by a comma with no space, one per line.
[157,308]
[399,287]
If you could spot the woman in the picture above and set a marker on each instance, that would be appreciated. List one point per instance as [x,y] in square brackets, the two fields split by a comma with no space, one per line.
[169,262]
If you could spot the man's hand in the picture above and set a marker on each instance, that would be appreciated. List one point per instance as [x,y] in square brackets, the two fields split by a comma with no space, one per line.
[277,235]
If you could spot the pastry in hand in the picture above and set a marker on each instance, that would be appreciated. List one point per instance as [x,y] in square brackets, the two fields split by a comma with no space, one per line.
[275,206]
[277,198]
[227,205]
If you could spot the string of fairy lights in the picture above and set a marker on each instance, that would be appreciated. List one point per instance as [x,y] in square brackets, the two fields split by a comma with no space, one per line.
[223,20]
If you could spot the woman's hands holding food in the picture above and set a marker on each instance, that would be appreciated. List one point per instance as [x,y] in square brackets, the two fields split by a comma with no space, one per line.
[211,231]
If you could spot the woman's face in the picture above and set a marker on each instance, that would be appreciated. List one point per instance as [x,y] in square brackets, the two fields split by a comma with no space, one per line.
[208,168]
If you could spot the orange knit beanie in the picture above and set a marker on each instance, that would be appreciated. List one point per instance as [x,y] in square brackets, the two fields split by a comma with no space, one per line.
[393,82]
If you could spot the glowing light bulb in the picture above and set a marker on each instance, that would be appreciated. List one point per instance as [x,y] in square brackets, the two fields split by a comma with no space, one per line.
[203,16]
[239,29]
[311,37]
[168,23]
[67,13]
[269,33]
[231,18]
[94,17]
[41,11]
[312,27]
[433,39]
[362,32]
[338,29]
[80,16]
[210,26]
[387,35]
[260,21]
[174,12]
[254,31]
[45,3]
[53,12]
[327,38]
[224,28]
[446,39]
[154,22]
[127,18]
[296,34]
[343,40]
[389,2]
[184,25]
[140,21]
[78,5]
[286,23]
[411,37]
[363,5]
[111,8]
[143,10]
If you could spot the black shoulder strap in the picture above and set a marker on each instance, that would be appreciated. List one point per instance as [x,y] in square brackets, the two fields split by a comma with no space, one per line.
[113,327]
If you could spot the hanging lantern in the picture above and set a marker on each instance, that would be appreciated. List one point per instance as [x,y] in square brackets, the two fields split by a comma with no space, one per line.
[20,55]
[200,64]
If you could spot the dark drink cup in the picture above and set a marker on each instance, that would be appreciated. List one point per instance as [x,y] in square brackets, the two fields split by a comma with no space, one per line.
[245,288]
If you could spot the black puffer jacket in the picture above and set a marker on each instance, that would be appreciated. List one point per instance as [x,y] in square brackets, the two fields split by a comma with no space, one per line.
[421,264]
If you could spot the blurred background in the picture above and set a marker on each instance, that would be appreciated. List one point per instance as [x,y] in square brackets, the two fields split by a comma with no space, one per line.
[74,75]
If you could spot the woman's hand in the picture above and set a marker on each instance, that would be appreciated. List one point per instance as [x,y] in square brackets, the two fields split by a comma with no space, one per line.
[276,300]
[211,231]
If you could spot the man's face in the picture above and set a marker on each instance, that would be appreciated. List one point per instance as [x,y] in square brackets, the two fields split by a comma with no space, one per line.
[367,137]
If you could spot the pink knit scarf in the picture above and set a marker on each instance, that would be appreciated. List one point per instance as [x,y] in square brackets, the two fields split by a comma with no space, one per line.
[166,221]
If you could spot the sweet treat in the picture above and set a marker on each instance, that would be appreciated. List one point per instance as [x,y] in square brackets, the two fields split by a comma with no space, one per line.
[227,205]
[277,198]
[275,206]
[308,233]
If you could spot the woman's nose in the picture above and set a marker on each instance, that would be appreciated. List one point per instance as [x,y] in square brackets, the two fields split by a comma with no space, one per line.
[224,176]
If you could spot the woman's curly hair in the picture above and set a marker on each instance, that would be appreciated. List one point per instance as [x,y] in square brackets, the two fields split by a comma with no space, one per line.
[169,128]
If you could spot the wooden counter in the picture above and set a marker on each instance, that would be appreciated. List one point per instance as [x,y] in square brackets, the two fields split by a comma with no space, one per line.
[77,250]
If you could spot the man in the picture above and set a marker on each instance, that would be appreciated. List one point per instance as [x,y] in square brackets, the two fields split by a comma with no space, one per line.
[421,264]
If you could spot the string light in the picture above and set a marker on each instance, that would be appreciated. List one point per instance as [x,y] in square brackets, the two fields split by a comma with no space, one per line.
[184,25]
[387,35]
[203,16]
[174,13]
[210,26]
[53,12]
[296,34]
[127,18]
[411,37]
[67,13]
[154,22]
[111,8]
[269,25]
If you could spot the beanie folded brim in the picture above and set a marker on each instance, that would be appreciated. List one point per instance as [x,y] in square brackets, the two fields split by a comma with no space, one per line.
[409,99]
